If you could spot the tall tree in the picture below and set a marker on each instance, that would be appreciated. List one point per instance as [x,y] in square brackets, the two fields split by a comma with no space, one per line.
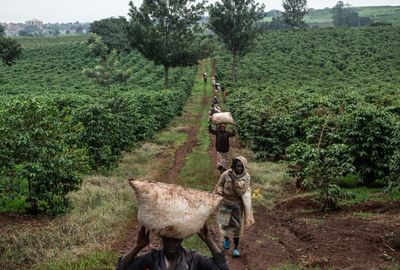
[10,49]
[294,12]
[345,16]
[108,71]
[113,32]
[234,22]
[164,31]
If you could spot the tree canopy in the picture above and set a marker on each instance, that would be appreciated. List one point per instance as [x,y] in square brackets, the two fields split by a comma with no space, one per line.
[10,49]
[113,32]
[294,12]
[165,31]
[347,17]
[234,22]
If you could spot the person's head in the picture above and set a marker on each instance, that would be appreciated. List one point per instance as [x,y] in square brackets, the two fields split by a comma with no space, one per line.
[238,164]
[171,246]
[222,126]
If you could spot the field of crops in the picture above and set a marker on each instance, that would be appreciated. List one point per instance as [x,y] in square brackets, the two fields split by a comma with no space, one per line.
[334,90]
[323,17]
[57,124]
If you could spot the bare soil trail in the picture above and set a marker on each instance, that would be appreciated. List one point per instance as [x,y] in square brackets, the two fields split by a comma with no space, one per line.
[169,174]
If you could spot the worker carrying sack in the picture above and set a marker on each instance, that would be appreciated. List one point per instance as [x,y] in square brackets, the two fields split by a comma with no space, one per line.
[171,210]
[223,117]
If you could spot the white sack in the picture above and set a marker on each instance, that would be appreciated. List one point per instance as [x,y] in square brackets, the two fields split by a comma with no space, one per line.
[171,210]
[223,117]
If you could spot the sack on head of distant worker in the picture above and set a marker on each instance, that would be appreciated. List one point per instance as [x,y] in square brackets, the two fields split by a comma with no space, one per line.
[171,210]
[222,118]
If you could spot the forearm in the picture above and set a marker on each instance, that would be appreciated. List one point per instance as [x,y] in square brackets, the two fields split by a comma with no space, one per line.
[128,257]
[212,246]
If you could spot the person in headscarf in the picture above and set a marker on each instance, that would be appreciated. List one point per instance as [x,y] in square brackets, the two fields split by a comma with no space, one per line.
[173,256]
[235,210]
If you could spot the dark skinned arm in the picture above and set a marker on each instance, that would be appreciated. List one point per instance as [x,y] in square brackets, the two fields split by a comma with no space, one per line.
[142,242]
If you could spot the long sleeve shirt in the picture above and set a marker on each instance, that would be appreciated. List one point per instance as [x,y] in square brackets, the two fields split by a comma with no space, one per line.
[222,138]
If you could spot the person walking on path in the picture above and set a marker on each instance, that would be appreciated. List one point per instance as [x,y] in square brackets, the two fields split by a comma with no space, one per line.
[205,77]
[173,256]
[235,210]
[221,144]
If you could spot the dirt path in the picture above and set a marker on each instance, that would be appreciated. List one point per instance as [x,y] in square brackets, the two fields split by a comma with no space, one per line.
[294,231]
[169,174]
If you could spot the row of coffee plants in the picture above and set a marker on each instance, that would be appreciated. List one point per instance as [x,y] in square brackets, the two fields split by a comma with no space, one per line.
[55,130]
[326,99]
[56,65]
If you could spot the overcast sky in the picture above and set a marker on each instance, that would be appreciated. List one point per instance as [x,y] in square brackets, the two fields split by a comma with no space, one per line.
[90,10]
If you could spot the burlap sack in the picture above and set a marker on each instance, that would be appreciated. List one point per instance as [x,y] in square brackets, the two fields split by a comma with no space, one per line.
[223,117]
[171,210]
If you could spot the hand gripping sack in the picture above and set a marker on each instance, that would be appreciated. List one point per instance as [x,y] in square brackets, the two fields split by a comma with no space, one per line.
[223,117]
[171,210]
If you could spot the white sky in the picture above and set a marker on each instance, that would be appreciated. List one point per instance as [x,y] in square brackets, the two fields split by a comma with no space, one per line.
[90,10]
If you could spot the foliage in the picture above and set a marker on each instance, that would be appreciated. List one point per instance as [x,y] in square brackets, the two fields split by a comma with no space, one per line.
[294,12]
[234,22]
[164,31]
[10,49]
[347,17]
[34,149]
[321,169]
[321,87]
[2,31]
[106,72]
[368,132]
[393,179]
[57,131]
[113,32]
[277,23]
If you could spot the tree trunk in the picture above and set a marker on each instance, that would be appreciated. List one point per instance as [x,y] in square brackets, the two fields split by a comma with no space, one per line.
[233,72]
[166,80]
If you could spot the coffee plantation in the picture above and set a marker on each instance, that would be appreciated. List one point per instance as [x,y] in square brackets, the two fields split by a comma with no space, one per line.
[57,125]
[321,88]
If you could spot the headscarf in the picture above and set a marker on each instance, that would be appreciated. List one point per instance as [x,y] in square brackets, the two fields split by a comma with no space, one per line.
[243,160]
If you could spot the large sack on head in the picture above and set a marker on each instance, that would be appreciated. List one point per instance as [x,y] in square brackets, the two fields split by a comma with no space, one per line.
[223,117]
[171,210]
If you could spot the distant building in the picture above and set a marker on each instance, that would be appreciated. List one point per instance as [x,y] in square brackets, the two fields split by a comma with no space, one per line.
[12,29]
[34,22]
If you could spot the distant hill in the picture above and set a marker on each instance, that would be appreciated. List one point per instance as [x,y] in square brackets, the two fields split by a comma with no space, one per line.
[323,17]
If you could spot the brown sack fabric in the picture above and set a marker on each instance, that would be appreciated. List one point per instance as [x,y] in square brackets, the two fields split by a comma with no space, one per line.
[171,210]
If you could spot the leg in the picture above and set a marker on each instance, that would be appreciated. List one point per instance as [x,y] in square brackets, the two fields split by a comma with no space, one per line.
[227,243]
[236,252]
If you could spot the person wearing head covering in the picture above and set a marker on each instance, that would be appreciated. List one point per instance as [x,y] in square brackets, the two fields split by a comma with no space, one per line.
[173,256]
[205,77]
[215,100]
[235,210]
[221,144]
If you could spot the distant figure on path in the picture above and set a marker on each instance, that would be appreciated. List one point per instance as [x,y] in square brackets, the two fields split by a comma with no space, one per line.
[205,77]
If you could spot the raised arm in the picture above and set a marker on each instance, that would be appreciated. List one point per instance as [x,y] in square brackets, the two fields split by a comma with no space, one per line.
[219,189]
[142,242]
[218,261]
[232,133]
[211,130]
